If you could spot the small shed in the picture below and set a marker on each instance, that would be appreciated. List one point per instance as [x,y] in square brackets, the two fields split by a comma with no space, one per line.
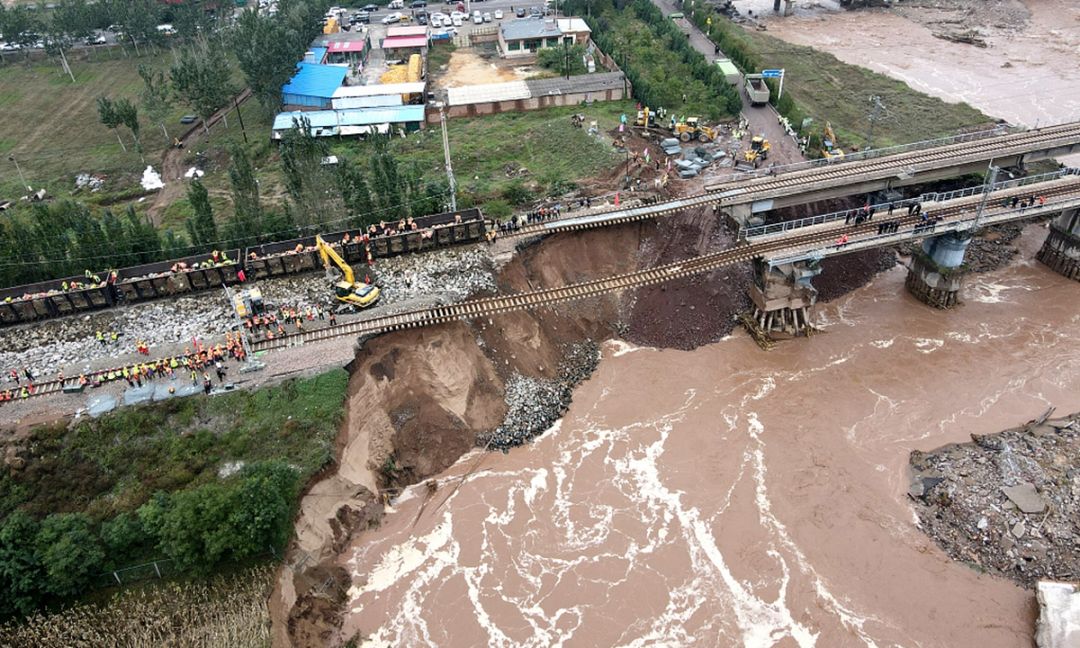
[362,121]
[400,47]
[576,29]
[730,72]
[313,85]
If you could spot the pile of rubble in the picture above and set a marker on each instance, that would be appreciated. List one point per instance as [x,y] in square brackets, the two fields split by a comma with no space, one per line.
[1006,502]
[71,343]
[534,404]
[693,162]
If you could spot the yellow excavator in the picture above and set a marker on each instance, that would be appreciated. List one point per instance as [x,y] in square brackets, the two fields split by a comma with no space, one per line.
[346,289]
[830,151]
[692,129]
[758,151]
[645,118]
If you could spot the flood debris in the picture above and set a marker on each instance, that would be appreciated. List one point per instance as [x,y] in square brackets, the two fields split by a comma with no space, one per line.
[1006,502]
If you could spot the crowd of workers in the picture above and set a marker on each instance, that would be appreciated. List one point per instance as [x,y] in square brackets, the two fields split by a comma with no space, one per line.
[194,364]
[284,321]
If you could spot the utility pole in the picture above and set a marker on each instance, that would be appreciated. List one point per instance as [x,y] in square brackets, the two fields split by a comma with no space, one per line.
[991,178]
[19,169]
[875,114]
[446,155]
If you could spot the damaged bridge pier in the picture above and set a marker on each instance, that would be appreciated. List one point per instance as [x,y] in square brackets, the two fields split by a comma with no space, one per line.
[937,271]
[1061,250]
[783,296]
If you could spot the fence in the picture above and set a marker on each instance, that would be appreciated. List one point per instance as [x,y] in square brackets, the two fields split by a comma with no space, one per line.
[159,569]
[786,226]
[1001,129]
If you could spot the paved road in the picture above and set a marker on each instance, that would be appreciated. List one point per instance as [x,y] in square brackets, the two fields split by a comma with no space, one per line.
[762,119]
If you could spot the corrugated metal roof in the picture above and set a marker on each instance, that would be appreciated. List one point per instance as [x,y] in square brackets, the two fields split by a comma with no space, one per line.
[317,118]
[331,121]
[567,25]
[523,28]
[317,55]
[598,82]
[391,115]
[346,103]
[379,89]
[418,30]
[398,42]
[348,46]
[487,92]
[512,90]
[315,80]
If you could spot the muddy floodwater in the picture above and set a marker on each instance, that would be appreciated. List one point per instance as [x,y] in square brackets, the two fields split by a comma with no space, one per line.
[729,496]
[1028,73]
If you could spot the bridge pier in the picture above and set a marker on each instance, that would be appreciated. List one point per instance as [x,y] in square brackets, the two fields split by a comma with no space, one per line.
[937,273]
[739,216]
[1061,250]
[782,296]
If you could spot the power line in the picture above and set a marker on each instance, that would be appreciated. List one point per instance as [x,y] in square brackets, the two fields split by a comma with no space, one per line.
[192,248]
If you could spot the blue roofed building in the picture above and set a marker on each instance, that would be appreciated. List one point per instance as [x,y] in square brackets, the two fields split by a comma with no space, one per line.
[313,85]
[352,122]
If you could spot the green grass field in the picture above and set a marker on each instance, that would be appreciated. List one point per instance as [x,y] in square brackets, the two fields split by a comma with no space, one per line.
[827,89]
[52,125]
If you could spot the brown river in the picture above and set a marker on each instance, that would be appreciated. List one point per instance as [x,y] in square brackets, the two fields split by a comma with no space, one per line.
[732,497]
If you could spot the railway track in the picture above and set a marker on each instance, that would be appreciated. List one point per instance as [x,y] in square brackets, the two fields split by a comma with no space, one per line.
[823,177]
[488,306]
[790,242]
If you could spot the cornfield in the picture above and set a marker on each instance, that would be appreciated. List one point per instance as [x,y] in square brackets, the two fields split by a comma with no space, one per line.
[222,611]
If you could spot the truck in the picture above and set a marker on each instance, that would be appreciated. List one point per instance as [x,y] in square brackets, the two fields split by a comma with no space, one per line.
[730,72]
[756,90]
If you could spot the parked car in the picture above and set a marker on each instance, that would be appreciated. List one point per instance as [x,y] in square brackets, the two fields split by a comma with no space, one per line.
[487,17]
[370,8]
[460,15]
[363,17]
[396,4]
[519,12]
[188,119]
[421,19]
[477,18]
[390,19]
[456,20]
[418,4]
[498,14]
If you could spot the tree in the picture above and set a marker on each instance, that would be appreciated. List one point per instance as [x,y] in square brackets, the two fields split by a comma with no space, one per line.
[260,514]
[201,79]
[266,54]
[124,538]
[20,571]
[387,183]
[109,117]
[143,238]
[200,227]
[559,58]
[156,99]
[70,553]
[310,186]
[356,195]
[128,115]
[246,225]
[138,19]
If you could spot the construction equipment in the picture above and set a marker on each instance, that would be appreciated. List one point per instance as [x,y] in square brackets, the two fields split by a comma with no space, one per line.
[829,141]
[645,118]
[756,89]
[755,155]
[346,289]
[692,129]
[248,303]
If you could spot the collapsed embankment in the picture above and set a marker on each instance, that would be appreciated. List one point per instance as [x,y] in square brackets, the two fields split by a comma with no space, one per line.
[419,399]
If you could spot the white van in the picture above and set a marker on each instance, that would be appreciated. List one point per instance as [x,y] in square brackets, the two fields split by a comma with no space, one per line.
[477,18]
[397,4]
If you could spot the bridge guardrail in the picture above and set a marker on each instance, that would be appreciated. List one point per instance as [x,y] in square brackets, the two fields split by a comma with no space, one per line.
[1001,129]
[787,226]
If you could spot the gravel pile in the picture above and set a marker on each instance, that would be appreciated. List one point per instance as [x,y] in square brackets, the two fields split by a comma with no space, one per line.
[71,343]
[1007,502]
[534,404]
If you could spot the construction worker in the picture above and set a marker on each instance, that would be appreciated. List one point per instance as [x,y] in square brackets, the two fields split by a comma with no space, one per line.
[101,337]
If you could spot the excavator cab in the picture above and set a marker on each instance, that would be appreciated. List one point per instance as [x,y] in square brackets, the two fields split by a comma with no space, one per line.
[346,290]
[645,118]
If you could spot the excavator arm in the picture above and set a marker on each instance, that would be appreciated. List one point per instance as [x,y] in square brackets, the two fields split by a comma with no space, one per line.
[329,254]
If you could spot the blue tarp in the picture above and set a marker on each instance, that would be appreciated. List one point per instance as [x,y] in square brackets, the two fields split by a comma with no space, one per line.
[313,85]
